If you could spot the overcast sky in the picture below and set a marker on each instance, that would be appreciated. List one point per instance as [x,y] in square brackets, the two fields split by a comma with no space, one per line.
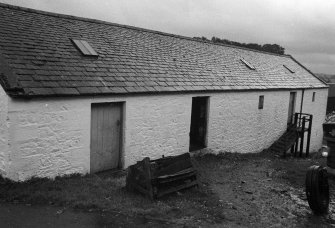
[305,28]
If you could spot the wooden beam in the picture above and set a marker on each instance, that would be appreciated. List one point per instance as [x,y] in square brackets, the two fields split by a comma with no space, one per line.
[309,135]
[302,136]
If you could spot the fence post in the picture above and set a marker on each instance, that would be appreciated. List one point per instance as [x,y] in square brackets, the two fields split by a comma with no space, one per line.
[297,141]
[295,119]
[302,135]
[295,125]
[309,134]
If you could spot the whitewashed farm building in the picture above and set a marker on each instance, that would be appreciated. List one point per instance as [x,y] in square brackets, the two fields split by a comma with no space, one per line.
[82,95]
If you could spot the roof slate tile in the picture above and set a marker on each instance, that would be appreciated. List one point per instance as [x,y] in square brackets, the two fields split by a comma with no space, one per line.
[38,48]
[88,90]
[65,91]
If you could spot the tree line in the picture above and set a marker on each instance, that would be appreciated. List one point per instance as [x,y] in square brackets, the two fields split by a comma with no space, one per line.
[272,48]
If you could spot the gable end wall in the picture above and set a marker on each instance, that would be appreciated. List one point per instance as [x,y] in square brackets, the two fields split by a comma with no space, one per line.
[318,109]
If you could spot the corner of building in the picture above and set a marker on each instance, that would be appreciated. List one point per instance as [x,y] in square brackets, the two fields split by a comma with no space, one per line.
[316,105]
[4,131]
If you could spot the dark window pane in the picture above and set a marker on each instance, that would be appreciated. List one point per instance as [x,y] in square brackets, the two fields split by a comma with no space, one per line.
[261,102]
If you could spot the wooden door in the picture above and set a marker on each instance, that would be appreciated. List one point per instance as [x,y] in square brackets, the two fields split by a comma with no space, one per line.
[291,108]
[106,120]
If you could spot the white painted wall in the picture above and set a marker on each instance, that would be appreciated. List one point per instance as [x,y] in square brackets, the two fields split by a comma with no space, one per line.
[3,131]
[237,125]
[51,136]
[318,111]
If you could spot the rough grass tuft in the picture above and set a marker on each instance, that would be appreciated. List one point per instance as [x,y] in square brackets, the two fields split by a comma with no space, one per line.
[98,192]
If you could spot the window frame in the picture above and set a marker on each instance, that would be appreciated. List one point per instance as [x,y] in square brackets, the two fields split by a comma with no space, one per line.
[289,69]
[247,64]
[84,47]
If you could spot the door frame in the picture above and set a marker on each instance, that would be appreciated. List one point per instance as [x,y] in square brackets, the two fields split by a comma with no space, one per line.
[293,107]
[121,161]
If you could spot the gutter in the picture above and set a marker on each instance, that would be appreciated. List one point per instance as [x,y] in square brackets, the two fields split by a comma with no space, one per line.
[20,93]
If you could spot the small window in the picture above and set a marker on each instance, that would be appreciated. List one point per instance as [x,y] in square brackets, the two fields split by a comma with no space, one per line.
[84,47]
[251,67]
[261,102]
[289,69]
[313,97]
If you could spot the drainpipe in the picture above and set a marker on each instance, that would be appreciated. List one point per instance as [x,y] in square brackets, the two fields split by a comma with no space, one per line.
[302,99]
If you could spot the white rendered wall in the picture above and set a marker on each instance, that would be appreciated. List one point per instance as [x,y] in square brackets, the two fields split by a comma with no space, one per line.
[3,131]
[318,110]
[51,136]
[237,125]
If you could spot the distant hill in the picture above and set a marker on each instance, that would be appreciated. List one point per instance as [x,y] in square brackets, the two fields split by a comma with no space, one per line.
[328,78]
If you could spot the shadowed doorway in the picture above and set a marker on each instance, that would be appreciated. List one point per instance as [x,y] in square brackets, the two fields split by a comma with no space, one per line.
[198,129]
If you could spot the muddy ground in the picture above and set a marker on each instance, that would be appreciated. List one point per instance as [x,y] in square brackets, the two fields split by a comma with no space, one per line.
[258,190]
[262,191]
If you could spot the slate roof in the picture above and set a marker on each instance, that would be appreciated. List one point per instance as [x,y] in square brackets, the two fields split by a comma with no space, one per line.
[38,58]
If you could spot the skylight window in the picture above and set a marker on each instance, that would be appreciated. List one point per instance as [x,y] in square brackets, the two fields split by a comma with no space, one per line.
[251,67]
[289,69]
[84,47]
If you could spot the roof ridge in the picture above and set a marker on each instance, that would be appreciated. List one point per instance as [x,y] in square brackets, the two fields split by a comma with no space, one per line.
[59,15]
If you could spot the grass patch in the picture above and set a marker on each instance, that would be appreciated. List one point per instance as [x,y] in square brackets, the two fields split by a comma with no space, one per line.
[85,192]
[106,192]
[236,188]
